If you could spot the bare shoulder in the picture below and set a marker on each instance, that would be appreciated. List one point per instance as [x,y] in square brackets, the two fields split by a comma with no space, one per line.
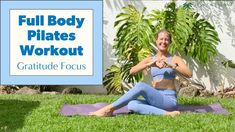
[176,58]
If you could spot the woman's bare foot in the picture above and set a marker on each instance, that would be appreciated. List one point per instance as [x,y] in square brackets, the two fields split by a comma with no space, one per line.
[172,113]
[106,111]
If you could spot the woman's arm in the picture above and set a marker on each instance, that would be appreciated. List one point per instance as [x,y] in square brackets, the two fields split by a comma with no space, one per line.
[181,67]
[142,65]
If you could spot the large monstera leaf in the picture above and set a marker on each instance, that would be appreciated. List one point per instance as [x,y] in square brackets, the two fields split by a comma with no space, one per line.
[113,80]
[133,34]
[132,43]
[203,41]
[191,36]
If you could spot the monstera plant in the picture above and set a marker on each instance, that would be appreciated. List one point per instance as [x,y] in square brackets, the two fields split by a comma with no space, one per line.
[191,35]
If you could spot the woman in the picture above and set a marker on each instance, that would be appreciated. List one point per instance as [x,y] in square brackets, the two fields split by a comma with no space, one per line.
[160,98]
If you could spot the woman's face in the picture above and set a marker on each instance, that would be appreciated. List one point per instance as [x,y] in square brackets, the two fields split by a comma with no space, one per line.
[163,41]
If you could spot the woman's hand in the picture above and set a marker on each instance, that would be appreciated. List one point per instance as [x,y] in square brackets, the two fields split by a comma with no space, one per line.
[179,65]
[151,63]
[161,63]
[173,66]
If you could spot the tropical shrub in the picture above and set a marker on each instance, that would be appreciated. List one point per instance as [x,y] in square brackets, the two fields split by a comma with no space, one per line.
[191,35]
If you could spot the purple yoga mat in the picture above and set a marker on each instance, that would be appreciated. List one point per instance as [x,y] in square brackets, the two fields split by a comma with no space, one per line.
[84,109]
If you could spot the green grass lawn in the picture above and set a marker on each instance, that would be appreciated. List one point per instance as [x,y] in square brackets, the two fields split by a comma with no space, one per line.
[41,113]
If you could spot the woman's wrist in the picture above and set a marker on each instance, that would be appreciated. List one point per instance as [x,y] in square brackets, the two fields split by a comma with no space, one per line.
[147,66]
[175,66]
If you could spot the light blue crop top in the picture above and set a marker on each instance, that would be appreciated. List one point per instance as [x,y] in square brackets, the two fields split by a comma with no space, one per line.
[163,73]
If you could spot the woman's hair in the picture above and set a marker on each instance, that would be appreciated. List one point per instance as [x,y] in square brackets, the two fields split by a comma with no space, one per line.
[164,31]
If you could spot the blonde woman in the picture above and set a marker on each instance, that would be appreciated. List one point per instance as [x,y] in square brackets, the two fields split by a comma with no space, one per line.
[160,98]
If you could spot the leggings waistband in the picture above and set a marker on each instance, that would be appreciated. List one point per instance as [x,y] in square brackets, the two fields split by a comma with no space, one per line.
[166,91]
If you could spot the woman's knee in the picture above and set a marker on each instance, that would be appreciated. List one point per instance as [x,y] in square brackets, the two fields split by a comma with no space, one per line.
[132,105]
[141,86]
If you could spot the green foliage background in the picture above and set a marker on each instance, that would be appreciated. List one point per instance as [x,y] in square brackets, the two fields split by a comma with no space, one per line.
[192,36]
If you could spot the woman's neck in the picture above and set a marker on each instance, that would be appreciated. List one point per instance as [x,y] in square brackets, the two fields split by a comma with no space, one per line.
[161,54]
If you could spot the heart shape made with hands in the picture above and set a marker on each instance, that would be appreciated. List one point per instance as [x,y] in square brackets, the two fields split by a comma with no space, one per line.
[162,63]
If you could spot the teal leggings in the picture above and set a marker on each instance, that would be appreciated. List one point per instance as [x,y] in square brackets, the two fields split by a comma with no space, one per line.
[156,101]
